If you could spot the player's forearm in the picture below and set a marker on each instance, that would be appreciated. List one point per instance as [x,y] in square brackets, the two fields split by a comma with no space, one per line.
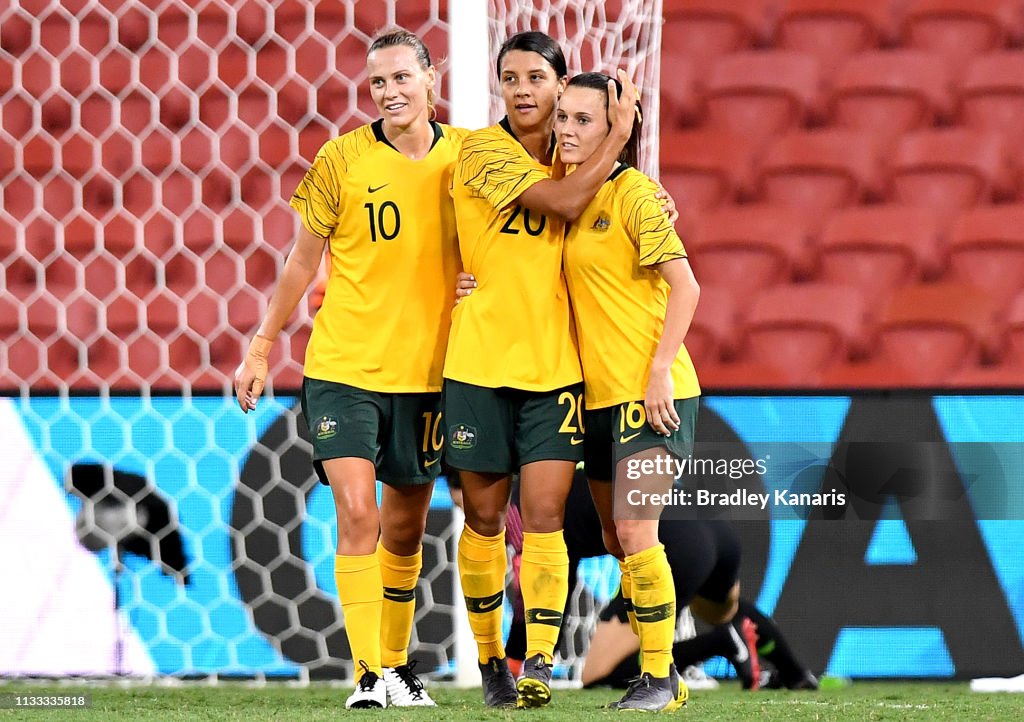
[566,198]
[682,303]
[300,269]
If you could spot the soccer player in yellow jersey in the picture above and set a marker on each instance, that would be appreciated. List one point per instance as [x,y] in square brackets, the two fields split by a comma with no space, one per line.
[633,297]
[512,394]
[378,197]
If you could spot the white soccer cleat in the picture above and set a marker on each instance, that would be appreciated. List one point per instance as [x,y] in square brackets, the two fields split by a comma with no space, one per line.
[405,689]
[371,692]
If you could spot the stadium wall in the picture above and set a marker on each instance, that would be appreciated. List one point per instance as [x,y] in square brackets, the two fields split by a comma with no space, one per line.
[888,597]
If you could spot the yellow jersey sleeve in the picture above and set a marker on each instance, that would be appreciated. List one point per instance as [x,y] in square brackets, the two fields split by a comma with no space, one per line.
[320,194]
[496,170]
[646,222]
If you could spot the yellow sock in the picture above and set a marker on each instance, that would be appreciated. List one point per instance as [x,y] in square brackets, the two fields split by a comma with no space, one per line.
[482,566]
[361,593]
[399,575]
[627,596]
[654,602]
[544,581]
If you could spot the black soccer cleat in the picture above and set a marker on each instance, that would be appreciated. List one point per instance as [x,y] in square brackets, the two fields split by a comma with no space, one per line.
[654,694]
[534,685]
[498,684]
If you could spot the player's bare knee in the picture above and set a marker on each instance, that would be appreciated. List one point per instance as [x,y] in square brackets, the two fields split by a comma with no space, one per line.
[486,522]
[611,543]
[544,517]
[636,535]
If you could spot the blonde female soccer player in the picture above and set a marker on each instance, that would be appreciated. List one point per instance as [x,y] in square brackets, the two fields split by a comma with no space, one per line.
[379,198]
[512,393]
[633,297]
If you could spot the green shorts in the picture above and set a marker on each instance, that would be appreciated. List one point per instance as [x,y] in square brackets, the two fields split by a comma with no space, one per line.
[400,433]
[617,432]
[500,430]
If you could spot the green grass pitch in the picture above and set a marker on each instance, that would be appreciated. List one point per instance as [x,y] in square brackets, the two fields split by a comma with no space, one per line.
[238,701]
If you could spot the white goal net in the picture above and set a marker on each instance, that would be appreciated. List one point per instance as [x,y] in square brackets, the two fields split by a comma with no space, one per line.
[147,153]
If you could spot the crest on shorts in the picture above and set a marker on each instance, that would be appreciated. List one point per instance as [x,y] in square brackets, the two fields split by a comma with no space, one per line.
[325,428]
[602,224]
[462,437]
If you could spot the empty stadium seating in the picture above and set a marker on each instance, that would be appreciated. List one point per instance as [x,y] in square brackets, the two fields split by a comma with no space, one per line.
[879,248]
[707,29]
[891,92]
[762,94]
[933,331]
[801,329]
[821,169]
[961,29]
[986,249]
[991,95]
[833,30]
[702,169]
[751,247]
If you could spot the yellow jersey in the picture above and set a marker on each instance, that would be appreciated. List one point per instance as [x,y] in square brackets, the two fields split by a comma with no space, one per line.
[391,234]
[618,300]
[515,330]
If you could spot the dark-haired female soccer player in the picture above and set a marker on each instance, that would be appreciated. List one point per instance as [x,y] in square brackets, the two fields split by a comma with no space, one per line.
[513,399]
[633,297]
[378,197]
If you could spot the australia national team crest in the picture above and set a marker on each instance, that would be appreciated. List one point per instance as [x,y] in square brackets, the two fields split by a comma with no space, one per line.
[325,428]
[462,437]
[602,224]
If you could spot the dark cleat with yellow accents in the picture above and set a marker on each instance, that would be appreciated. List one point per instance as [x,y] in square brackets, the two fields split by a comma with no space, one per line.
[655,694]
[498,684]
[534,685]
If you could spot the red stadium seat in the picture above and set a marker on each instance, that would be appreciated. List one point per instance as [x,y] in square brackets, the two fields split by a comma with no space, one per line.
[801,329]
[879,248]
[891,92]
[991,96]
[702,169]
[680,96]
[987,250]
[821,169]
[870,374]
[762,94]
[708,29]
[750,247]
[713,333]
[934,330]
[740,375]
[833,30]
[960,29]
[948,170]
[1009,371]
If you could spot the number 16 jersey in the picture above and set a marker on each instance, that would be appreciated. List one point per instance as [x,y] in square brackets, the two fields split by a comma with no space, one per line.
[391,232]
[515,330]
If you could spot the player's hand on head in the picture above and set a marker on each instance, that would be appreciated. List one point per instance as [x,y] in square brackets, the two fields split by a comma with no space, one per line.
[251,375]
[622,108]
[660,404]
[668,204]
[464,285]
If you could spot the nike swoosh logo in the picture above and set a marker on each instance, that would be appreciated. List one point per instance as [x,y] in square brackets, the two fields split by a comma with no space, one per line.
[575,442]
[627,439]
[430,463]
[490,605]
[371,189]
[541,617]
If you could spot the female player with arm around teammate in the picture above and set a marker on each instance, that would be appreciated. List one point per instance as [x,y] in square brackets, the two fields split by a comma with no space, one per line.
[378,197]
[633,297]
[512,392]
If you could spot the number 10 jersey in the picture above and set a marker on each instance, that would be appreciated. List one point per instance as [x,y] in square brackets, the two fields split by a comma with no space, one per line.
[391,234]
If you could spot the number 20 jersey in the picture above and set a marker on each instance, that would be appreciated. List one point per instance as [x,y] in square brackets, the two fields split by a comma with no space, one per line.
[515,330]
[391,234]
